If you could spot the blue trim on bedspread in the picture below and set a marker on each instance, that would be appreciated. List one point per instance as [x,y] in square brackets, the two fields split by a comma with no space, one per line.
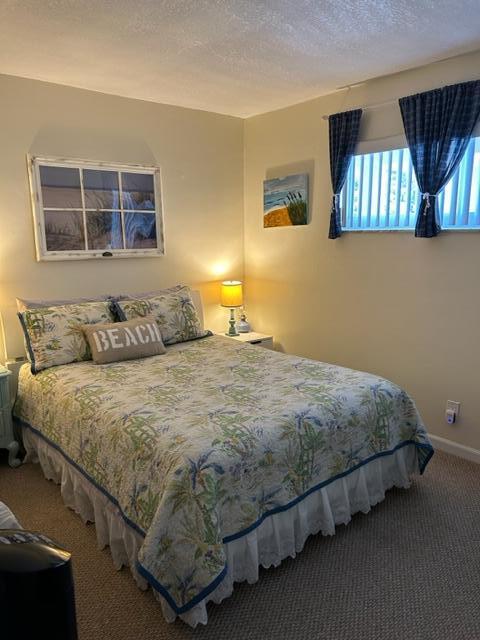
[33,367]
[424,452]
[84,474]
[191,603]
[424,457]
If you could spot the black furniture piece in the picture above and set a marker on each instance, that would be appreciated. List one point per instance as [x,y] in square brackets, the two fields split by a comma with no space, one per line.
[36,588]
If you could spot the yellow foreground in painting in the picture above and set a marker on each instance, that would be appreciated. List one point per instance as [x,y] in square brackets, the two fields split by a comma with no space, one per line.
[277,218]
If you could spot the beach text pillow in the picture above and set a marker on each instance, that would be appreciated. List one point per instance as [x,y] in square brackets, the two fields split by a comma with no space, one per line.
[137,338]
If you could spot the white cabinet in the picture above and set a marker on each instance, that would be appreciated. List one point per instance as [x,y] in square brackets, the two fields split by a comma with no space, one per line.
[260,339]
[7,438]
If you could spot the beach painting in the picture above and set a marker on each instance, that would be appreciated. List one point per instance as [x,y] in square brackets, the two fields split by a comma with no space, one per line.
[285,201]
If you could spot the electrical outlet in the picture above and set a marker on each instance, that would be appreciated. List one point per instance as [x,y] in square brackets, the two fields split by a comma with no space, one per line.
[451,412]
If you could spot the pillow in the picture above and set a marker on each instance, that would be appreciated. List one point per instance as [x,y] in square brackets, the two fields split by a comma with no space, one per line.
[23,304]
[173,310]
[54,335]
[148,294]
[137,338]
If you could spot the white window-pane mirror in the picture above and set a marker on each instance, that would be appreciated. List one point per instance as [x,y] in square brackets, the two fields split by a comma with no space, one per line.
[87,210]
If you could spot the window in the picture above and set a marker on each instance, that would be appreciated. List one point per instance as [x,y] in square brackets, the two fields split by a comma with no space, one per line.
[381,192]
[87,210]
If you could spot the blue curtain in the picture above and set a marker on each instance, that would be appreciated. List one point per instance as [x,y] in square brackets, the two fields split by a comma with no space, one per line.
[343,132]
[438,126]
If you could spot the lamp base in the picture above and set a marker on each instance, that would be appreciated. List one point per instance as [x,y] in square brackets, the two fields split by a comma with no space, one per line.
[232,330]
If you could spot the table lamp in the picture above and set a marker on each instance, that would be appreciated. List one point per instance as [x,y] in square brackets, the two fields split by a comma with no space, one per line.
[231,297]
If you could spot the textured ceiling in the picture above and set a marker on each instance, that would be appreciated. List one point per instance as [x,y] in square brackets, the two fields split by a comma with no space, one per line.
[239,57]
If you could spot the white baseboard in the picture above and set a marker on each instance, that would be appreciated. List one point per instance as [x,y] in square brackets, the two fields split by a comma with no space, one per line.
[460,450]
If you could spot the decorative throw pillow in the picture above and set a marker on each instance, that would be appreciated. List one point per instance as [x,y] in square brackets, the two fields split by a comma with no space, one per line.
[53,335]
[148,294]
[23,303]
[173,310]
[137,338]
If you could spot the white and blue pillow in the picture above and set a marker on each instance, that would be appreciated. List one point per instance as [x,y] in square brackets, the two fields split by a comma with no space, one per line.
[173,309]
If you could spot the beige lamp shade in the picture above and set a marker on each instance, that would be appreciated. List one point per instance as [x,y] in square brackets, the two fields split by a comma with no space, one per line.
[231,295]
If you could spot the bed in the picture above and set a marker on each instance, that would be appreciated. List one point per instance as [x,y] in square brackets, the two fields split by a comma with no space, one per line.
[199,465]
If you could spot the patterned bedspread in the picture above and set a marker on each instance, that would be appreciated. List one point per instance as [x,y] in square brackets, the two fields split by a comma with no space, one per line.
[199,445]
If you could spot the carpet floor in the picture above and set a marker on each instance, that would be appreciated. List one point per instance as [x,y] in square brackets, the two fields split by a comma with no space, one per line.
[409,569]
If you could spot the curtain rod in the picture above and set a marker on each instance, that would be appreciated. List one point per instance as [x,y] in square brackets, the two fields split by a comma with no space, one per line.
[383,104]
[366,107]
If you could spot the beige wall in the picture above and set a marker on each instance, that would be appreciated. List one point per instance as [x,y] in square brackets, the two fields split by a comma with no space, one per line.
[201,158]
[405,308]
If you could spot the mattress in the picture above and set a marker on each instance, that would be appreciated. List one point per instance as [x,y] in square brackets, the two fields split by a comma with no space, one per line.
[199,447]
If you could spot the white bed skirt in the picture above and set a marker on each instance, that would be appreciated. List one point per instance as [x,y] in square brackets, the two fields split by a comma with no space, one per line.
[279,536]
[7,519]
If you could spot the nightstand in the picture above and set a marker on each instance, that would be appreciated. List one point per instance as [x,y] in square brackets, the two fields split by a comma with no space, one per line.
[7,439]
[260,339]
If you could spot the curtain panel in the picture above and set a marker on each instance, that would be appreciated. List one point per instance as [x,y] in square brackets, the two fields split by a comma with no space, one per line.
[343,134]
[438,127]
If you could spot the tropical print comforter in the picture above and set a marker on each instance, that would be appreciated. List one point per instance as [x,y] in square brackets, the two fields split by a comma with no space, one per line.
[197,446]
